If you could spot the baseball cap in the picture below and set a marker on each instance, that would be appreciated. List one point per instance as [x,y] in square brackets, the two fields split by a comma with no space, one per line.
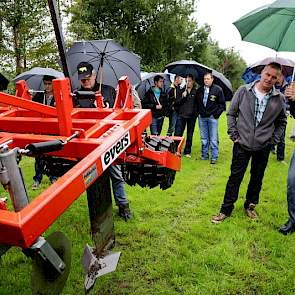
[84,70]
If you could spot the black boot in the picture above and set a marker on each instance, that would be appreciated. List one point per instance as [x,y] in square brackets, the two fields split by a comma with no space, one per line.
[124,211]
[287,228]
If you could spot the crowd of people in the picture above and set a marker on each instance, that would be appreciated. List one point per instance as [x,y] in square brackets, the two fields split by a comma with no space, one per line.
[256,120]
[183,106]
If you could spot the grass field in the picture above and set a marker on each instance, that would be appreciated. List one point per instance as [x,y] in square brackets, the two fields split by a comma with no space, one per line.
[171,247]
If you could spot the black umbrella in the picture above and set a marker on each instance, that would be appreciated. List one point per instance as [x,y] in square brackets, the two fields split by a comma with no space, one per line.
[3,82]
[110,60]
[34,77]
[185,67]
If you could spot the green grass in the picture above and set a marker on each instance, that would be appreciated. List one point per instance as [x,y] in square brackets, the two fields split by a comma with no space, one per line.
[171,247]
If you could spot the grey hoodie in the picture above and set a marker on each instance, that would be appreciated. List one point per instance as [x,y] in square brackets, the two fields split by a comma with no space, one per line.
[241,119]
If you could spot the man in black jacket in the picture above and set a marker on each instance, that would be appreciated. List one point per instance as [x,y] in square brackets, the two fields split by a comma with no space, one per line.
[87,77]
[174,92]
[289,226]
[156,100]
[211,104]
[186,108]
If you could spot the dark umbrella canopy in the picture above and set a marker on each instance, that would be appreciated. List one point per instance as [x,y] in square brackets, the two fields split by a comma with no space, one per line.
[252,73]
[185,67]
[34,77]
[3,82]
[108,58]
[148,81]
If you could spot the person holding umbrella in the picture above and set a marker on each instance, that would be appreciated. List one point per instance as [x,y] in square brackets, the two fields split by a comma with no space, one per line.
[186,106]
[256,119]
[211,104]
[174,92]
[87,77]
[289,226]
[46,98]
[279,149]
[156,100]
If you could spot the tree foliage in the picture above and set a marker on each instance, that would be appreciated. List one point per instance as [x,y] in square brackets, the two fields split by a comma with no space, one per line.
[26,37]
[160,31]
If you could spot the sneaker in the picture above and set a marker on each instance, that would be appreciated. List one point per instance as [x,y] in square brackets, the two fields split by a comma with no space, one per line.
[218,218]
[36,185]
[213,162]
[250,212]
[188,155]
[124,211]
[204,159]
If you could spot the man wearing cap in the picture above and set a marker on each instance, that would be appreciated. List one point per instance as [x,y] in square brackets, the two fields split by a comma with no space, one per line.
[46,98]
[87,78]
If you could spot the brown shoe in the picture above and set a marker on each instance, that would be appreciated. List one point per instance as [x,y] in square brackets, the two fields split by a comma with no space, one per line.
[218,218]
[250,211]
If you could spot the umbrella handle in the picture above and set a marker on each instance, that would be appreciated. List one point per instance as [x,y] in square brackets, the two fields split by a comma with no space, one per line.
[100,78]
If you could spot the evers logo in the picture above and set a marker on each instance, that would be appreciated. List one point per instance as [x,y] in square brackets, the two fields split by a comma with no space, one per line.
[114,152]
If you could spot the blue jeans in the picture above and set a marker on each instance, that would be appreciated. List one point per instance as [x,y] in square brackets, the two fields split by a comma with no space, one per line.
[190,123]
[209,137]
[156,126]
[172,123]
[118,185]
[291,189]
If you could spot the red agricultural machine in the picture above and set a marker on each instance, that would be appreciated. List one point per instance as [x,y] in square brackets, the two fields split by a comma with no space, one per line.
[80,145]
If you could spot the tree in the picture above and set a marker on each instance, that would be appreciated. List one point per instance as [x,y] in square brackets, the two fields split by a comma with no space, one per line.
[26,38]
[158,30]
[227,61]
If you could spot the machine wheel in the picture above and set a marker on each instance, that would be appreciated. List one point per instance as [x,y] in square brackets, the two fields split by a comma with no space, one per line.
[45,279]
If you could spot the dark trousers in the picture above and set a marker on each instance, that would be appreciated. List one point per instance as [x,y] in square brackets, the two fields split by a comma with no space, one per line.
[179,130]
[240,160]
[39,170]
[280,147]
[291,189]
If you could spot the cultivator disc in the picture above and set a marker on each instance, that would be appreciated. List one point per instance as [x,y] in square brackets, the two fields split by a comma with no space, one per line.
[46,280]
[149,175]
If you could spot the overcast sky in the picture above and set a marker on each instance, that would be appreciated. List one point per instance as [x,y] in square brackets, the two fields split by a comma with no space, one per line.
[221,14]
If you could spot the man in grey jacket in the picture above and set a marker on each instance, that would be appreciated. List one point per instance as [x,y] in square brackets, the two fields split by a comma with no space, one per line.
[256,119]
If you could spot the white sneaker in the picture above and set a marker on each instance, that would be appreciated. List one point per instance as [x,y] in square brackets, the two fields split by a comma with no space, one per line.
[35,185]
[188,155]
